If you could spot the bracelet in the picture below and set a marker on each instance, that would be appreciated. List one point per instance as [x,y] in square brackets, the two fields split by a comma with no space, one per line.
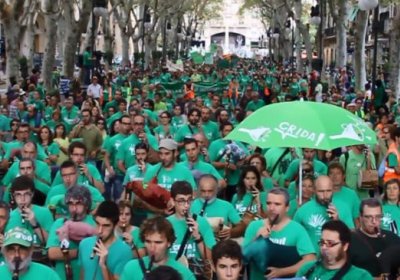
[198,241]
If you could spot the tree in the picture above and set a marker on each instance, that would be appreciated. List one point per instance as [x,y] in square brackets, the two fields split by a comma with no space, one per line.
[339,12]
[13,13]
[359,52]
[51,12]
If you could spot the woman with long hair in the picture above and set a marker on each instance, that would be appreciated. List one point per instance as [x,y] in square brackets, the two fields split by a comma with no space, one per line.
[165,129]
[260,163]
[51,148]
[391,206]
[129,233]
[250,194]
[60,137]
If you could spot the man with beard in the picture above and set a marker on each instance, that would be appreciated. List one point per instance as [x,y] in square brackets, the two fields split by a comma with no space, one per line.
[105,255]
[69,174]
[323,207]
[17,250]
[36,219]
[126,152]
[169,171]
[290,246]
[196,165]
[210,128]
[158,236]
[90,134]
[216,208]
[334,262]
[65,234]
[224,160]
[372,248]
[194,126]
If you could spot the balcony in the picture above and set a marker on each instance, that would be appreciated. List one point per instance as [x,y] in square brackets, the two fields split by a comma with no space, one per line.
[330,32]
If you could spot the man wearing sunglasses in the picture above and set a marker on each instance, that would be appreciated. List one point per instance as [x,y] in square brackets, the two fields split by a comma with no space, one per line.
[334,262]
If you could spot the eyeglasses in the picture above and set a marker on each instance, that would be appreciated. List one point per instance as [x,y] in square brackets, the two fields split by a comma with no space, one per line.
[370,218]
[328,243]
[182,202]
[138,123]
[125,123]
[195,115]
[24,195]
[163,117]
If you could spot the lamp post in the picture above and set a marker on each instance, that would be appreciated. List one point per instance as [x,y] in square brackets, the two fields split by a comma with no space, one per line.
[275,35]
[368,5]
[93,35]
[290,26]
[316,20]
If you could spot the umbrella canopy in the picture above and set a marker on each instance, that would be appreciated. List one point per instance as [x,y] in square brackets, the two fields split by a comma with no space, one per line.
[303,124]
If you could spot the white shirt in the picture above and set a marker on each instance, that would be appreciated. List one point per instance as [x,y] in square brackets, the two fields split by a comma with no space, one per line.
[94,90]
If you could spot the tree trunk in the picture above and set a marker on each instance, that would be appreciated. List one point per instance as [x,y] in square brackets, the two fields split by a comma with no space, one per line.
[394,51]
[50,49]
[359,52]
[30,42]
[341,34]
[11,34]
[125,48]
[305,34]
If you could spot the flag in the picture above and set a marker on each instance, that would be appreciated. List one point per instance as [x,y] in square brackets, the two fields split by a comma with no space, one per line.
[197,58]
[208,58]
[174,67]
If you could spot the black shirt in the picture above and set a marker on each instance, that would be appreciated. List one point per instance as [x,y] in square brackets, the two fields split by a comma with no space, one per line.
[365,251]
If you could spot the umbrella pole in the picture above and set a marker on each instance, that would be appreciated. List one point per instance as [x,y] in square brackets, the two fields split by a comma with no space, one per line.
[300,180]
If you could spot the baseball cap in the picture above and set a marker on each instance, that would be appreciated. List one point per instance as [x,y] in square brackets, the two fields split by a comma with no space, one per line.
[168,144]
[18,235]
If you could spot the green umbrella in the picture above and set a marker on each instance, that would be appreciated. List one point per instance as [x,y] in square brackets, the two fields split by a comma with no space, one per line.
[303,124]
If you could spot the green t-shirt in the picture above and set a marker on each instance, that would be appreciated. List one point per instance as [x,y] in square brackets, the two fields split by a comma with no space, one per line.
[293,170]
[119,254]
[216,152]
[82,179]
[163,134]
[350,197]
[391,216]
[255,105]
[54,241]
[312,216]
[126,151]
[321,273]
[355,163]
[42,171]
[166,178]
[61,190]
[70,117]
[178,121]
[244,204]
[185,131]
[133,271]
[35,271]
[112,146]
[211,130]
[292,234]
[272,156]
[42,215]
[133,173]
[202,168]
[217,208]
[192,250]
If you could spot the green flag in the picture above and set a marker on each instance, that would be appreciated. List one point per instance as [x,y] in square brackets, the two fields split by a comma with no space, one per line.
[208,58]
[197,58]
[213,48]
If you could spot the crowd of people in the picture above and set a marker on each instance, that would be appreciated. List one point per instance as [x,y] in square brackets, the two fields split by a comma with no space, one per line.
[72,163]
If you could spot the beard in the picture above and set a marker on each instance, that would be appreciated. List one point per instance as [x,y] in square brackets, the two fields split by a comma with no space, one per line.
[330,258]
[23,265]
